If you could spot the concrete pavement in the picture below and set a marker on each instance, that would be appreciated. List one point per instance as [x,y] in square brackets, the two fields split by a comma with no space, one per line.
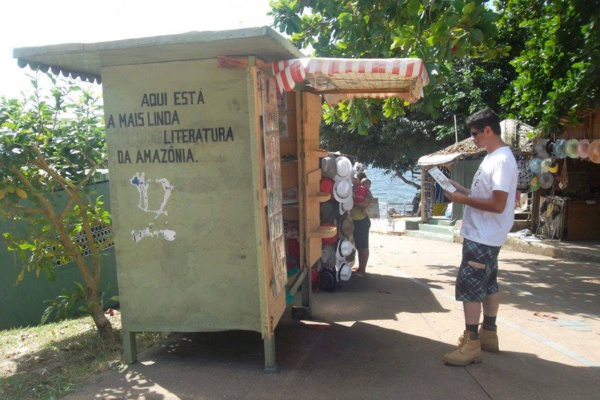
[383,337]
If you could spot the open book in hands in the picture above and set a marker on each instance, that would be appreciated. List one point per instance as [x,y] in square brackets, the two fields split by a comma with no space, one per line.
[441,179]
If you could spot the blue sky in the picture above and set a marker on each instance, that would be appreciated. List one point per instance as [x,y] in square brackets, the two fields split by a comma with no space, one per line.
[28,23]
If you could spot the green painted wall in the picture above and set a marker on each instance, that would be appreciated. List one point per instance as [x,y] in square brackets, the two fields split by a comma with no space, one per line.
[23,303]
[182,196]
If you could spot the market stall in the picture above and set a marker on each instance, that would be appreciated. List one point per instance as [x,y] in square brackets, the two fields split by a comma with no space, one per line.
[208,155]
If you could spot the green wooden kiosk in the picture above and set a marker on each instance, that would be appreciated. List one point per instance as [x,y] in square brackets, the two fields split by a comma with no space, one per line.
[196,124]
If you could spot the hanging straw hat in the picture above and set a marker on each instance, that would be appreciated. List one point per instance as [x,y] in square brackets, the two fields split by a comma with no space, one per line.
[583,147]
[328,167]
[559,148]
[540,148]
[343,168]
[535,183]
[328,256]
[594,151]
[344,249]
[326,185]
[535,165]
[549,165]
[345,228]
[342,190]
[328,280]
[346,206]
[328,211]
[571,148]
[546,180]
[344,271]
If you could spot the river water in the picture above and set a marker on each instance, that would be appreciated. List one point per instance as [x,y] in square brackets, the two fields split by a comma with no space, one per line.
[389,189]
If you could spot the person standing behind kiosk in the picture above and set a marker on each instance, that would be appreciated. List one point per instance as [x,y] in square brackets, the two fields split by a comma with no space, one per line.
[488,217]
[362,224]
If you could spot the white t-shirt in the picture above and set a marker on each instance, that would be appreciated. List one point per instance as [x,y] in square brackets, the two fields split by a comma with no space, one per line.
[498,171]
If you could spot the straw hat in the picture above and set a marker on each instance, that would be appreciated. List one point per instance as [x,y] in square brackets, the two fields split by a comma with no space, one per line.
[326,185]
[328,280]
[346,206]
[535,165]
[535,183]
[345,228]
[343,168]
[344,272]
[328,167]
[549,165]
[583,147]
[594,151]
[540,148]
[344,249]
[559,148]
[571,148]
[342,190]
[546,180]
[328,211]
[328,256]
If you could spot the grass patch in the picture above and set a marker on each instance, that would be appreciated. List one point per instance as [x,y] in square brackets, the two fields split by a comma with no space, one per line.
[53,360]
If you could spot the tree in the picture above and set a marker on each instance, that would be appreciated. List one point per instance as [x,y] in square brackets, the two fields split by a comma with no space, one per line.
[53,143]
[450,36]
[436,31]
[392,144]
[556,49]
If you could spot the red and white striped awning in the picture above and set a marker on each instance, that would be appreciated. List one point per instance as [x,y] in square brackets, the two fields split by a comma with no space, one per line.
[340,79]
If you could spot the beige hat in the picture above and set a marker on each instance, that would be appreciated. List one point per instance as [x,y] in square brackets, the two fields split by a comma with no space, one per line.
[345,228]
[594,151]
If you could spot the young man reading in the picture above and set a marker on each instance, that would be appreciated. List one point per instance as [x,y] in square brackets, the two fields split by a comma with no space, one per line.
[488,217]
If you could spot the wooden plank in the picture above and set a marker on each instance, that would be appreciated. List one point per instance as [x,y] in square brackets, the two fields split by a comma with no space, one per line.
[318,153]
[240,62]
[320,197]
[289,175]
[313,176]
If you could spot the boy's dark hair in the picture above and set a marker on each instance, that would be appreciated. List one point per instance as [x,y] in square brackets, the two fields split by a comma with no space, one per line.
[483,118]
[361,176]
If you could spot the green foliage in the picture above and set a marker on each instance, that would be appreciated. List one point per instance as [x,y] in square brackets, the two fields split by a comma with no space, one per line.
[51,145]
[446,35]
[63,305]
[437,32]
[558,62]
[392,144]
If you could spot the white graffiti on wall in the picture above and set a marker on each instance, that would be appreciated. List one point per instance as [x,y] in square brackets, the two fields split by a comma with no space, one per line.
[167,234]
[142,185]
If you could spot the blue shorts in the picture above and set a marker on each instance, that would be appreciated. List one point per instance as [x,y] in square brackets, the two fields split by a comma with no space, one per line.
[478,273]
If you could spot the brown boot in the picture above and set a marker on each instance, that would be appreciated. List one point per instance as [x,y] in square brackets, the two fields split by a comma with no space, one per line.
[469,351]
[489,340]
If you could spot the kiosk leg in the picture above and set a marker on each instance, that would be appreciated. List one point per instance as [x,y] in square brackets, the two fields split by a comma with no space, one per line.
[270,362]
[307,294]
[129,347]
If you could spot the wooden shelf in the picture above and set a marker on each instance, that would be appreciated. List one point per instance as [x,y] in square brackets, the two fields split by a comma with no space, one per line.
[296,205]
[313,177]
[321,197]
[324,232]
[317,153]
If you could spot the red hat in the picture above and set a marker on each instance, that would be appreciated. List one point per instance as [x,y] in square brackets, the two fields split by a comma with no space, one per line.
[327,185]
